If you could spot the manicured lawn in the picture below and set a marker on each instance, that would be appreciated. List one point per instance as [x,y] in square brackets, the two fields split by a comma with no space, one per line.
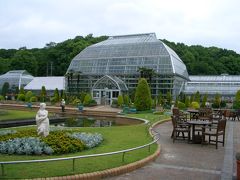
[149,116]
[15,114]
[115,138]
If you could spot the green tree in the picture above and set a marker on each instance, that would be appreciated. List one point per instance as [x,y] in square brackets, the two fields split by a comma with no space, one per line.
[56,95]
[126,99]
[28,96]
[204,100]
[43,94]
[160,99]
[217,101]
[21,91]
[87,99]
[197,97]
[187,101]
[5,89]
[236,102]
[169,98]
[24,59]
[142,96]
[120,100]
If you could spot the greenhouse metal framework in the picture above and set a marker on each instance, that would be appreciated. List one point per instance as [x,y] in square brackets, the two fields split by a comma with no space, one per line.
[120,57]
[225,85]
[16,79]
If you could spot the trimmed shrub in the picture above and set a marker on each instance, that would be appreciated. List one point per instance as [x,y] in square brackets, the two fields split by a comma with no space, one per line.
[114,103]
[33,99]
[195,105]
[76,101]
[89,140]
[53,99]
[1,98]
[61,143]
[87,99]
[28,96]
[181,105]
[120,100]
[21,97]
[29,145]
[126,99]
[143,96]
[6,132]
[56,95]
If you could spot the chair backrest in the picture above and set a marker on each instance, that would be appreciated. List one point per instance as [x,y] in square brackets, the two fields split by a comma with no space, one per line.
[175,111]
[226,113]
[221,125]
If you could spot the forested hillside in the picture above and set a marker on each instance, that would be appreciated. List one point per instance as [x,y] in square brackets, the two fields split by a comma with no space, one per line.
[207,61]
[38,61]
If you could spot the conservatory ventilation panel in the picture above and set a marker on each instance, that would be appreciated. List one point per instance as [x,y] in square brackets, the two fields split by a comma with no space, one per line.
[128,39]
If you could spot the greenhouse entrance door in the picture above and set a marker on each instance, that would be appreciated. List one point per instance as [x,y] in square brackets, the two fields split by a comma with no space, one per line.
[107,89]
[105,96]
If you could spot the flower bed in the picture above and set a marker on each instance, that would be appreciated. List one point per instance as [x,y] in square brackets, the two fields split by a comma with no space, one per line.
[57,142]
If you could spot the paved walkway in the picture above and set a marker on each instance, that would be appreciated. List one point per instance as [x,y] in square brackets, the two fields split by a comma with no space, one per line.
[183,161]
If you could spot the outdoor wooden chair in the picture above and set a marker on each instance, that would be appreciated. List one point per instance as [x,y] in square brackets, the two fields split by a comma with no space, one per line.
[229,115]
[216,132]
[179,129]
[181,115]
[205,114]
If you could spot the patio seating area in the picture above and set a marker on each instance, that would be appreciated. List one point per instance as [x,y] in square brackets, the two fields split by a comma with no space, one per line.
[183,160]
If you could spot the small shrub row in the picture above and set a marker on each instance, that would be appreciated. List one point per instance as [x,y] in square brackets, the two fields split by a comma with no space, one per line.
[30,145]
[90,140]
[6,132]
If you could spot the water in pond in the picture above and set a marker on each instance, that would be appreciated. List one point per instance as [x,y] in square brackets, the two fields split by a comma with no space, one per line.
[94,122]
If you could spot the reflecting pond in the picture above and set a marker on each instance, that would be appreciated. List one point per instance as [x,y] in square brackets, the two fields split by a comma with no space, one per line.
[94,122]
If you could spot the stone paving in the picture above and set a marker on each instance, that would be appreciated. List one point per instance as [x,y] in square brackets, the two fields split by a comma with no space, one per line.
[182,161]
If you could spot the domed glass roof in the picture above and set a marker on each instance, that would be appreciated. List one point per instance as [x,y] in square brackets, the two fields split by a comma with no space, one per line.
[125,54]
[16,78]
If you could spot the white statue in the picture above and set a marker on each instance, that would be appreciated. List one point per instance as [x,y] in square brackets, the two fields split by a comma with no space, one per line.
[42,121]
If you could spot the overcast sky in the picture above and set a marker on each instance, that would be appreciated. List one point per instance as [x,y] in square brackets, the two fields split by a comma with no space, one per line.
[33,23]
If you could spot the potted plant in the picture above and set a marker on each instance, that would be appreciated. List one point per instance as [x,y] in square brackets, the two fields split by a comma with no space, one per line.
[238,164]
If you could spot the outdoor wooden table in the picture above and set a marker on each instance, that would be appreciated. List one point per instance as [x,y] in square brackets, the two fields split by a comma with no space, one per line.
[193,113]
[194,123]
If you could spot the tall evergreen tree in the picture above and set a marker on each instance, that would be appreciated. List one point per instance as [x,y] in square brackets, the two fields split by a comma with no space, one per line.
[143,96]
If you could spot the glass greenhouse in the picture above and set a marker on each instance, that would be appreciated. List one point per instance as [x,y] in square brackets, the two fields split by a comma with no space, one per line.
[114,64]
[225,85]
[16,79]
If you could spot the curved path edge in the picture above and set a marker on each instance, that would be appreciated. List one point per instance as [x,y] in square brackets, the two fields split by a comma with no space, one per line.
[117,170]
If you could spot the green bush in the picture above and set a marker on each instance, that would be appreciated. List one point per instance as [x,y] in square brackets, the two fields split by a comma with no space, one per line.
[236,105]
[181,105]
[1,98]
[59,141]
[53,99]
[33,99]
[76,101]
[195,105]
[143,96]
[28,96]
[126,99]
[21,97]
[114,103]
[92,103]
[87,99]
[120,100]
